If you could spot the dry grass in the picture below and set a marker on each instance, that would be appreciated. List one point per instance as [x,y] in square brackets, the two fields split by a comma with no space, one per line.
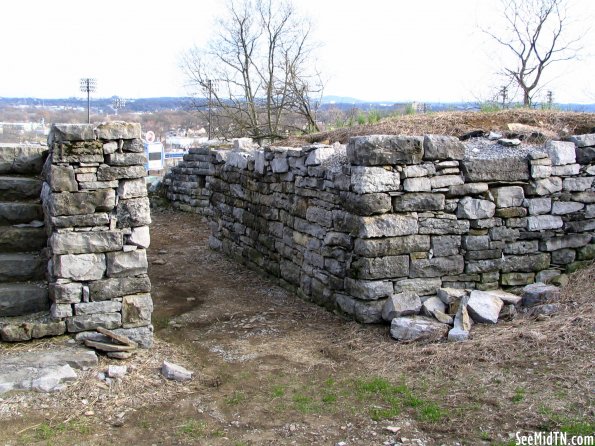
[460,123]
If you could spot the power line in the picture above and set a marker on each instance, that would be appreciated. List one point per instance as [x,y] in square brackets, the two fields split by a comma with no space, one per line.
[88,85]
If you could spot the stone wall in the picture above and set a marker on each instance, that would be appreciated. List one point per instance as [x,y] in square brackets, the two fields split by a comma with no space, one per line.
[97,217]
[391,216]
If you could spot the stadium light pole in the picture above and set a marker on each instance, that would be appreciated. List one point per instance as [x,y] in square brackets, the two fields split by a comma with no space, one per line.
[118,103]
[88,85]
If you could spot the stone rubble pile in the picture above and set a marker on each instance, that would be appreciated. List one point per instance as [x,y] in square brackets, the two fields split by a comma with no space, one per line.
[378,235]
[96,215]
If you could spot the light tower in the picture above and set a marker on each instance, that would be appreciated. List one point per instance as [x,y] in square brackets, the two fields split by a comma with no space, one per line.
[118,103]
[88,85]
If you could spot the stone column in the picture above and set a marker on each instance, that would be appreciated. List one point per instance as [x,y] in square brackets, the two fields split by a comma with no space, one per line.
[97,214]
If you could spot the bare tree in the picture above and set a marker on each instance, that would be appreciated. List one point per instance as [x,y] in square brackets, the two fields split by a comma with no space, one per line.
[256,71]
[536,36]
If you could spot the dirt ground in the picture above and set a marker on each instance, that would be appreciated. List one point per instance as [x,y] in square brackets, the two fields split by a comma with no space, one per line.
[271,369]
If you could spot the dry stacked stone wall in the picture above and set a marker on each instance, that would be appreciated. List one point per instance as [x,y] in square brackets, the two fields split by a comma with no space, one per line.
[395,218]
[97,216]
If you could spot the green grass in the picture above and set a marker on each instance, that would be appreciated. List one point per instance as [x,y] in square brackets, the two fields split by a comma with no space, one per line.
[305,404]
[278,392]
[235,398]
[519,395]
[193,429]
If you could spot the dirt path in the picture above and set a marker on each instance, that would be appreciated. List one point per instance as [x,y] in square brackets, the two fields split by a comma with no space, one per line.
[271,369]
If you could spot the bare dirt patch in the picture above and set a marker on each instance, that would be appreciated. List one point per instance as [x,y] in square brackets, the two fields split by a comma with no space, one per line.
[271,369]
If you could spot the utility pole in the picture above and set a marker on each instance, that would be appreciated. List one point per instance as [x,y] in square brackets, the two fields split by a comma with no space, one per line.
[550,99]
[88,85]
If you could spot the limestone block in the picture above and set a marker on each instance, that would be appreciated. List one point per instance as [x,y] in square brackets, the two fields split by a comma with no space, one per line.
[280,164]
[74,221]
[260,163]
[563,256]
[418,202]
[379,267]
[438,147]
[133,212]
[126,159]
[474,208]
[140,236]
[459,190]
[85,242]
[78,203]
[92,321]
[566,241]
[136,310]
[586,140]
[133,145]
[108,306]
[239,160]
[391,246]
[72,132]
[79,267]
[577,184]
[61,179]
[540,293]
[526,263]
[110,173]
[446,245]
[445,181]
[538,206]
[521,247]
[368,312]
[380,150]
[132,188]
[442,226]
[414,328]
[539,171]
[319,155]
[368,289]
[366,204]
[484,307]
[585,155]
[110,147]
[387,225]
[542,222]
[560,152]
[126,264]
[450,296]
[60,311]
[420,170]
[566,170]
[517,279]
[566,207]
[421,184]
[431,304]
[401,304]
[143,336]
[106,289]
[422,287]
[499,169]
[118,130]
[545,186]
[507,197]
[66,293]
[476,242]
[437,266]
[77,152]
[365,180]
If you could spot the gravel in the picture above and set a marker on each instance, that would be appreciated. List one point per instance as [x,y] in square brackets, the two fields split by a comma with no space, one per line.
[483,148]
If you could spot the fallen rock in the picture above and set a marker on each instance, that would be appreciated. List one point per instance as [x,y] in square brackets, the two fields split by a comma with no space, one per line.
[117,371]
[462,323]
[509,142]
[415,328]
[432,304]
[124,340]
[120,355]
[540,293]
[175,372]
[484,307]
[545,309]
[507,298]
[401,304]
[507,313]
[108,347]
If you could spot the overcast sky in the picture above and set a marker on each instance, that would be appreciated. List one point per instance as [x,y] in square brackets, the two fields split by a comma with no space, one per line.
[392,50]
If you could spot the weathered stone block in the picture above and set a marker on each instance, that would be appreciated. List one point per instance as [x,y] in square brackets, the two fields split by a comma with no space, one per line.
[446,245]
[507,197]
[110,173]
[108,306]
[566,170]
[442,226]
[77,152]
[443,181]
[437,266]
[134,212]
[391,246]
[484,307]
[387,225]
[542,222]
[459,190]
[418,202]
[421,184]
[72,132]
[560,152]
[85,242]
[526,263]
[380,150]
[132,188]
[126,264]
[438,147]
[66,293]
[365,180]
[563,256]
[414,328]
[92,321]
[126,159]
[579,184]
[78,203]
[368,289]
[136,310]
[74,221]
[106,289]
[500,169]
[521,247]
[538,206]
[79,267]
[401,304]
[118,130]
[140,236]
[545,186]
[366,204]
[474,208]
[566,241]
[422,287]
[517,279]
[61,178]
[379,267]
[566,207]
